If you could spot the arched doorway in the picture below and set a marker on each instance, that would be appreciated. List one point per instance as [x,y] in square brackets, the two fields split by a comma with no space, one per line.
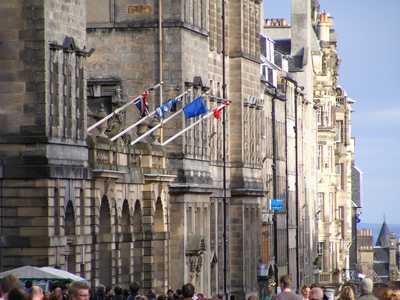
[105,257]
[126,245]
[138,243]
[69,231]
[159,248]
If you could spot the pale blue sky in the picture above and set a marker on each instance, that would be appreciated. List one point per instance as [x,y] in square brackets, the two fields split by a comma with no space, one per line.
[369,46]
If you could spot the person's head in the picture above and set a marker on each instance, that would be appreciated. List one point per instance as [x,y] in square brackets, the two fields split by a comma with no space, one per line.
[252,297]
[366,286]
[36,293]
[134,288]
[78,290]
[8,283]
[387,294]
[170,293]
[28,285]
[316,293]
[100,290]
[305,291]
[16,294]
[58,292]
[347,293]
[117,291]
[285,282]
[188,290]
[395,295]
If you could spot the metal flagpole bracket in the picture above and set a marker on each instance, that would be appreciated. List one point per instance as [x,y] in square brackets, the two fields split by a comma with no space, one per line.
[138,139]
[203,117]
[119,109]
[140,121]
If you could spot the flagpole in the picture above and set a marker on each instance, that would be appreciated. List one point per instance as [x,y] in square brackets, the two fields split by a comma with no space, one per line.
[155,127]
[204,117]
[225,238]
[121,108]
[132,126]
[143,119]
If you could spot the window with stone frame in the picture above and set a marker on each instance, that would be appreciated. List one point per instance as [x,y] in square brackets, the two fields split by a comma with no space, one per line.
[56,211]
[196,139]
[320,152]
[320,206]
[331,206]
[80,133]
[341,176]
[329,158]
[319,116]
[54,88]
[339,131]
[212,27]
[341,219]
[103,97]
[327,115]
[66,83]
[67,94]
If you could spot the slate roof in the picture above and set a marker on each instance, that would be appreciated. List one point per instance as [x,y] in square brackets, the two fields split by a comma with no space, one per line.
[384,236]
[381,254]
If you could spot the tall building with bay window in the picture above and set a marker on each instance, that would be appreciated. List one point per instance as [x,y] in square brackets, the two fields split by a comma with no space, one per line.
[335,158]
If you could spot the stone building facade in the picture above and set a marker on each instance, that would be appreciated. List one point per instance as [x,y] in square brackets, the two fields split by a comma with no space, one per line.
[126,36]
[335,157]
[70,200]
[296,42]
[113,213]
[310,42]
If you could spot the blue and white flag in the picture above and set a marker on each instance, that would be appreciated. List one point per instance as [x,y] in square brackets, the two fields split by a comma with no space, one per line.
[166,107]
[195,108]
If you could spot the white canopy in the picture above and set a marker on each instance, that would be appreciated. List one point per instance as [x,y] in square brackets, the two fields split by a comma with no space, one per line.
[44,273]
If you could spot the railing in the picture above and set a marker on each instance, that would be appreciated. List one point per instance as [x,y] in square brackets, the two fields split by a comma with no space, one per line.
[325,277]
[108,159]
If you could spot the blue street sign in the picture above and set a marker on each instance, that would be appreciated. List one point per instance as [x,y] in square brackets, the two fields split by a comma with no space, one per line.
[277,205]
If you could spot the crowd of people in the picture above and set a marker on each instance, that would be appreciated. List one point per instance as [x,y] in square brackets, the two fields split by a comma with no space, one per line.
[344,292]
[12,289]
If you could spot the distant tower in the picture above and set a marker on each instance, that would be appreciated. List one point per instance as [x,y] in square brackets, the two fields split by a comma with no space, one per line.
[384,236]
[385,253]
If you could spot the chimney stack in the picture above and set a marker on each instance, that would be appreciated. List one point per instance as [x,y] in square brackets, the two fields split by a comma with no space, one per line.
[324,27]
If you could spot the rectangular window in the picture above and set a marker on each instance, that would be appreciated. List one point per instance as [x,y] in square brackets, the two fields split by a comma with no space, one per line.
[339,131]
[329,158]
[322,255]
[320,206]
[321,246]
[341,177]
[341,212]
[338,171]
[327,115]
[263,45]
[319,116]
[320,156]
[270,77]
[331,207]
